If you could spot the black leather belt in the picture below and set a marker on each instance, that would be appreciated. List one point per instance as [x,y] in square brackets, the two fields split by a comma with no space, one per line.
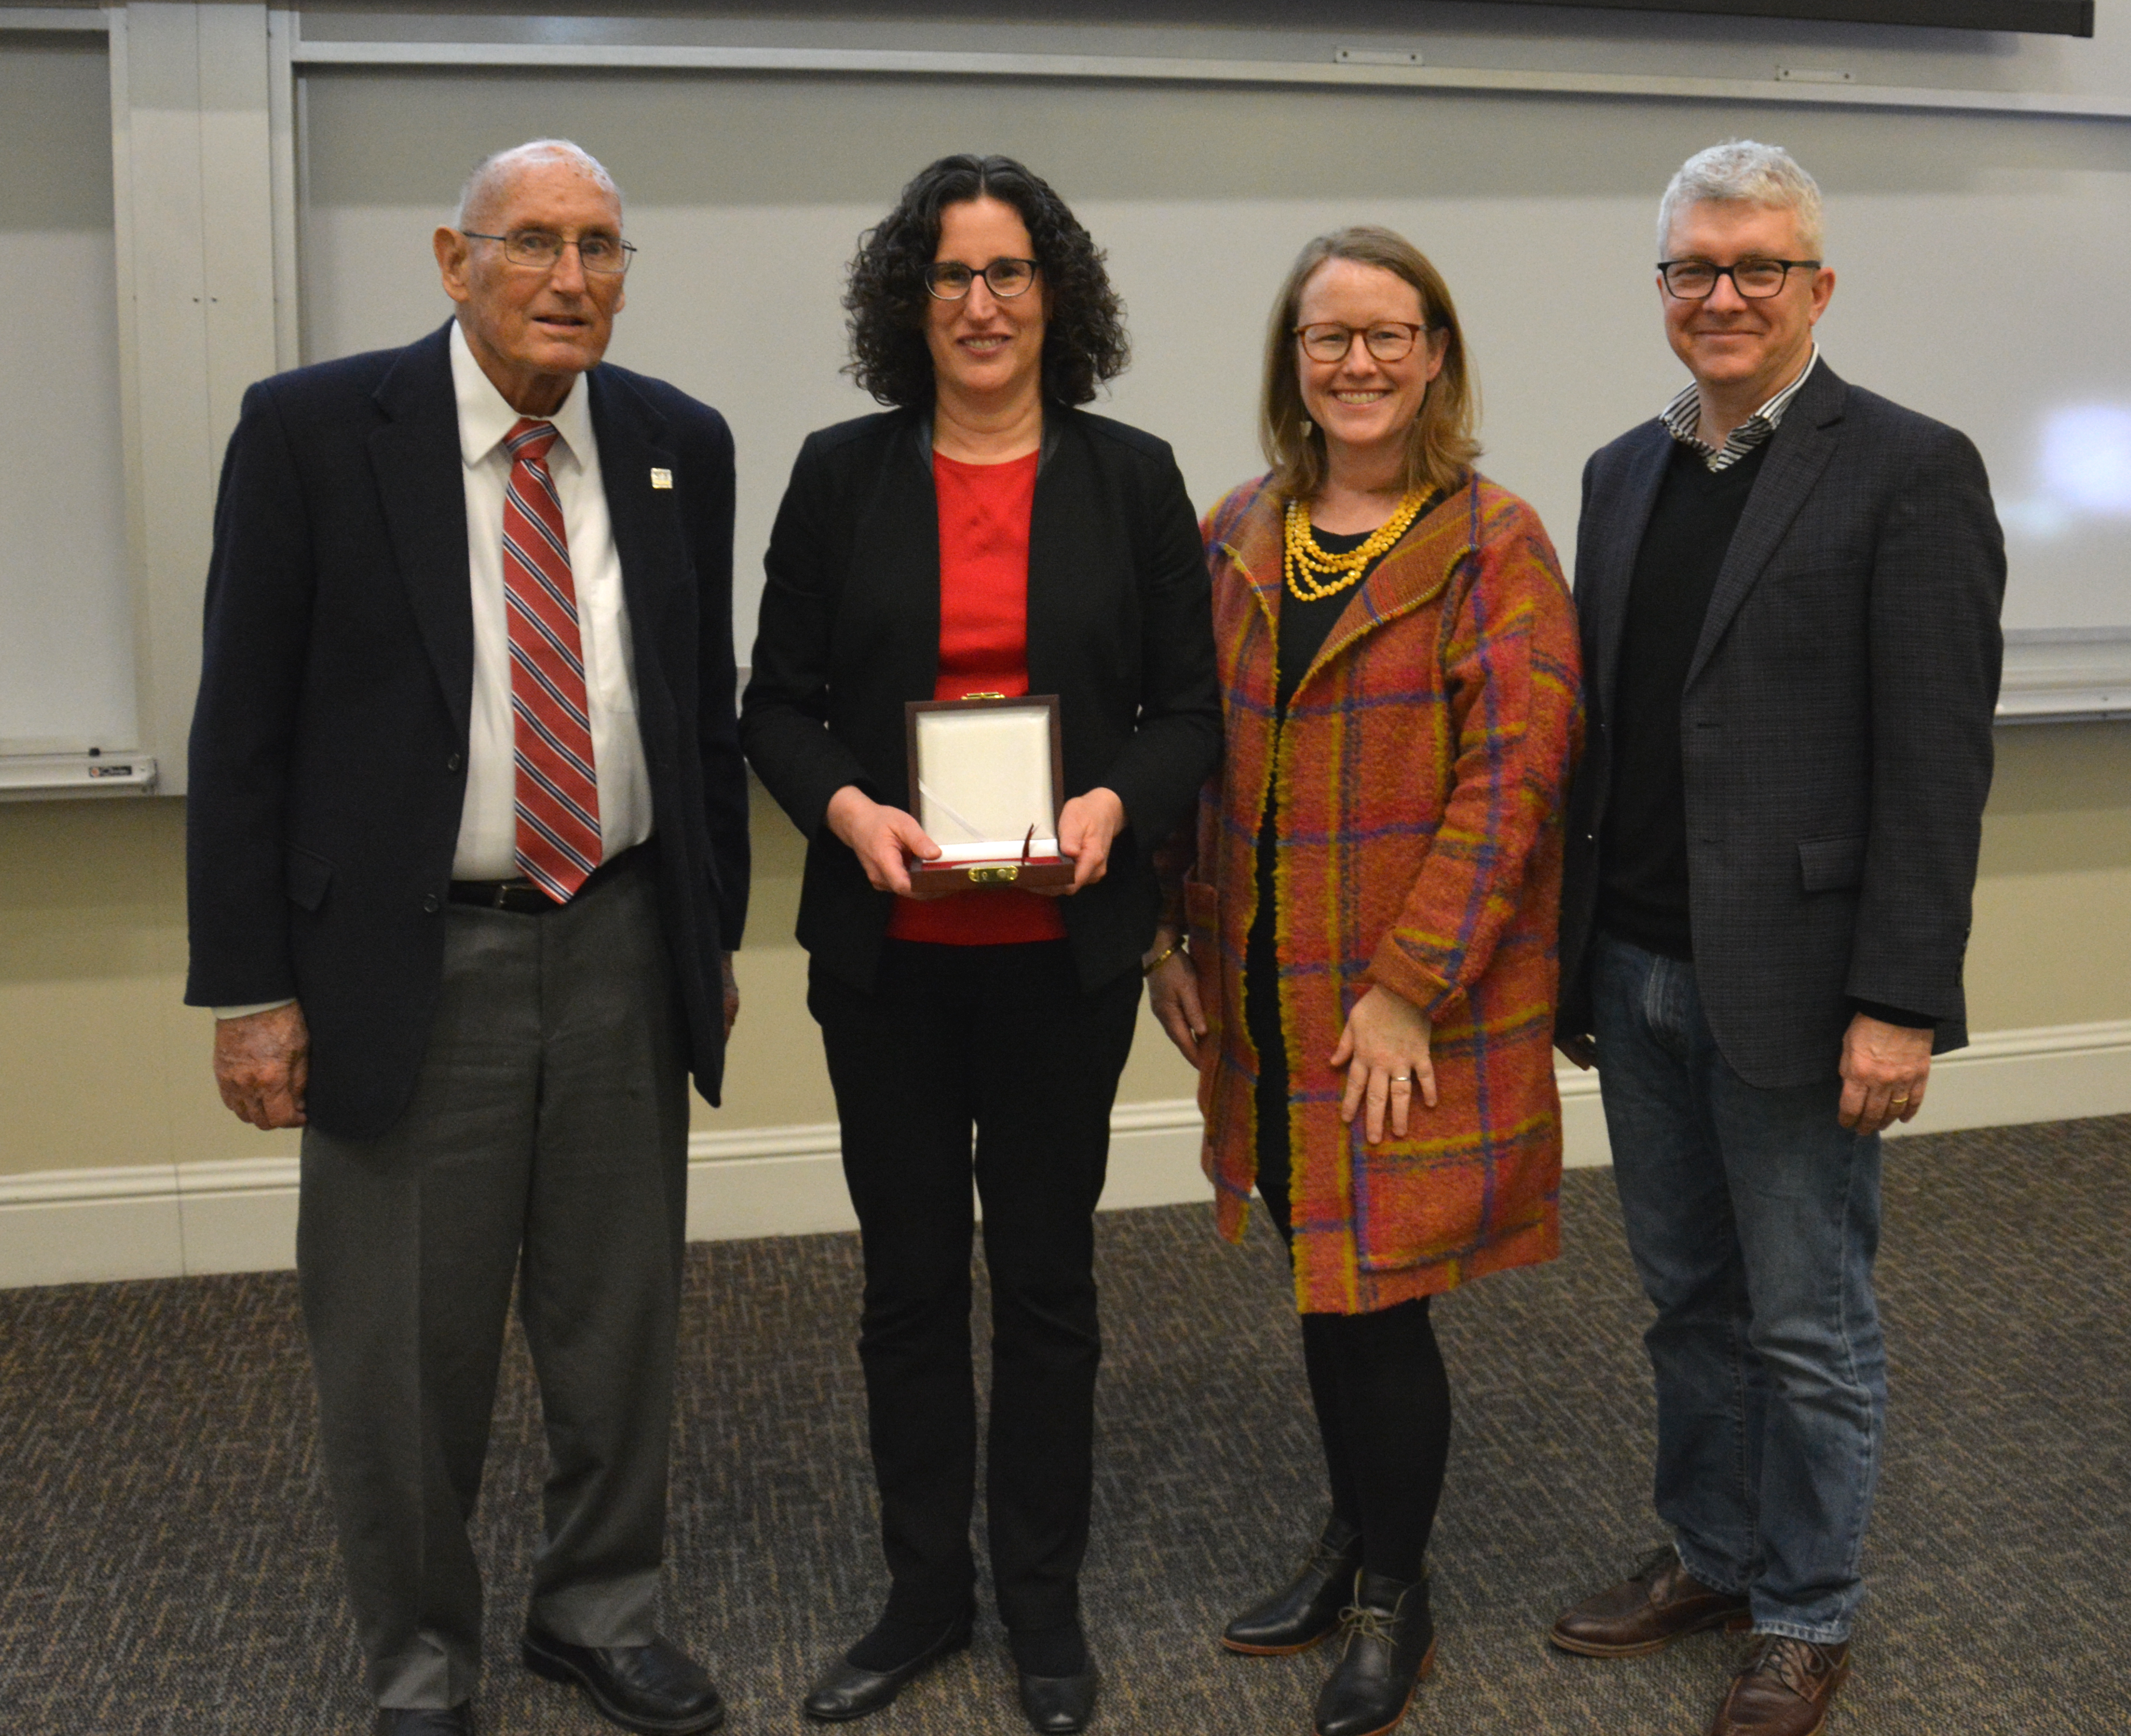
[522,897]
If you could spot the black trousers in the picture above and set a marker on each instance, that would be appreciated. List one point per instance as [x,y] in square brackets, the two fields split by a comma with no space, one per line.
[1002,1040]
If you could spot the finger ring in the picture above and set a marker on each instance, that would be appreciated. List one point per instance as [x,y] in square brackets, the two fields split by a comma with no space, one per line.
[1904,1098]
[1401,1078]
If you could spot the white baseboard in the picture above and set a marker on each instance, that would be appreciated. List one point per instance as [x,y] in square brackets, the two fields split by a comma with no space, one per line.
[789,1181]
[163,1220]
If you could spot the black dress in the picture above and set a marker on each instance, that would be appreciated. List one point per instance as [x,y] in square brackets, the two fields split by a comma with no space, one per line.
[1302,629]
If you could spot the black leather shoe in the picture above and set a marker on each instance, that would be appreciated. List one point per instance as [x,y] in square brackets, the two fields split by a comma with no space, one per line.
[655,1689]
[1059,1704]
[846,1691]
[1305,1609]
[426,1720]
[1391,1647]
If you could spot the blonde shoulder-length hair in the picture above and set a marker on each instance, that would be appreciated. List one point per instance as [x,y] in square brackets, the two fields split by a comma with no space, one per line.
[1443,440]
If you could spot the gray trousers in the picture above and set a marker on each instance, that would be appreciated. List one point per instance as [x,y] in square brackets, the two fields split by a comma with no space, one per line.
[547,1138]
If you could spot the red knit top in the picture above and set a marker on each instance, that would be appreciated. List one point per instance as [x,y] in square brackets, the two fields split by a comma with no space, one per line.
[984,512]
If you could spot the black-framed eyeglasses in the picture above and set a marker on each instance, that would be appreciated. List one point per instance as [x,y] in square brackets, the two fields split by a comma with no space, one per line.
[603,256]
[948,280]
[1695,279]
[1387,340]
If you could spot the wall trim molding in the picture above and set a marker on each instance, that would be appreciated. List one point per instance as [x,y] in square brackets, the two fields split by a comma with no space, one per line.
[1363,71]
[172,1220]
[1183,70]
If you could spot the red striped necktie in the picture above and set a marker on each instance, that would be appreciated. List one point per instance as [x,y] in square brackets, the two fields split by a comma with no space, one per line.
[558,826]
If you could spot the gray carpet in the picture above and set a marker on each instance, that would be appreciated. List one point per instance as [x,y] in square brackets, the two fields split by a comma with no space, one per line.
[166,1565]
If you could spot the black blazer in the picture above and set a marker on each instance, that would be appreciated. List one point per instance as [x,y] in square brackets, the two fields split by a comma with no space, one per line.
[1835,727]
[1119,628]
[329,741]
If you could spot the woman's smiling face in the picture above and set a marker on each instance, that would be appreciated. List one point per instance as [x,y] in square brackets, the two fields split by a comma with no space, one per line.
[1363,404]
[984,347]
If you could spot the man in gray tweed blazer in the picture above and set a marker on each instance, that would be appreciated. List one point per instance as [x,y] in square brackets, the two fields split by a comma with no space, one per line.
[1789,591]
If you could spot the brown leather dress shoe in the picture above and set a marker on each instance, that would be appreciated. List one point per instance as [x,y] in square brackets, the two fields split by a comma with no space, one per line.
[1655,1605]
[1783,1689]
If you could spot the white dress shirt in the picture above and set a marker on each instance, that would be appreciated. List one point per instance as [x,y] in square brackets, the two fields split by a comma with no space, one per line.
[488,824]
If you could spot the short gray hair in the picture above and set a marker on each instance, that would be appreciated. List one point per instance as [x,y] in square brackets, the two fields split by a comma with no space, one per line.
[492,171]
[1743,172]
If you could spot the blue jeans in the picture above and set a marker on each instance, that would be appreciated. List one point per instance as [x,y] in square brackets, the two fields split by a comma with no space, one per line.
[1754,1217]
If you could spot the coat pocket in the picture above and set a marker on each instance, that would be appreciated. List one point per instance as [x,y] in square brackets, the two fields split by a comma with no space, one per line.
[1830,864]
[305,876]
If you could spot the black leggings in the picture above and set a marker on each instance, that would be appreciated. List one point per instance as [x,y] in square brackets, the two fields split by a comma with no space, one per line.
[1382,1399]
[1381,1394]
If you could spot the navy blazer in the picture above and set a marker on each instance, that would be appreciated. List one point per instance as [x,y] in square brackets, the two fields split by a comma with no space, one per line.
[1119,628]
[329,741]
[1836,727]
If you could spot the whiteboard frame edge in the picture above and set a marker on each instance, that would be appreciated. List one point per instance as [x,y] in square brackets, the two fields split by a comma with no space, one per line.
[283,29]
[45,19]
[654,57]
[2037,688]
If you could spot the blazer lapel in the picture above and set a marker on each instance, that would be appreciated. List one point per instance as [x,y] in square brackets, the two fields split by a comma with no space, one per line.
[1605,569]
[898,548]
[415,459]
[1798,451]
[647,539]
[1415,571]
[1254,540]
[1063,509]
[1411,576]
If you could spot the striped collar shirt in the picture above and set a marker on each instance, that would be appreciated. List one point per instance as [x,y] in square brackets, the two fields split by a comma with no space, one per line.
[1682,420]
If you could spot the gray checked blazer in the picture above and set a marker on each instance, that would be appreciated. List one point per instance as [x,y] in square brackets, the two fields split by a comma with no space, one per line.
[1834,730]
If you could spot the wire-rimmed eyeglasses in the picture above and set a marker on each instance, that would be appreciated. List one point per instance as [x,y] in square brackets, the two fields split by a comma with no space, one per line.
[1695,279]
[1387,340]
[603,256]
[948,280]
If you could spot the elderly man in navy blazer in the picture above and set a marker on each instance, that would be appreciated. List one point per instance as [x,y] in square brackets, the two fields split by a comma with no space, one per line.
[1789,591]
[468,860]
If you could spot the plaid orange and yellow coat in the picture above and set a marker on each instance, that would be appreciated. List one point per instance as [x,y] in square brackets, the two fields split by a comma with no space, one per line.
[1422,772]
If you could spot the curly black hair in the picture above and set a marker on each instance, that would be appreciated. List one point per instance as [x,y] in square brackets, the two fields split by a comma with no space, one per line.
[1084,340]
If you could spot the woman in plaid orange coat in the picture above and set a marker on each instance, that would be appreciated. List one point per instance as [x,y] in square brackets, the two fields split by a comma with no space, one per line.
[1368,986]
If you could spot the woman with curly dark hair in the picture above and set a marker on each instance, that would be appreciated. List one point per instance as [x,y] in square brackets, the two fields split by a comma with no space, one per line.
[983,537]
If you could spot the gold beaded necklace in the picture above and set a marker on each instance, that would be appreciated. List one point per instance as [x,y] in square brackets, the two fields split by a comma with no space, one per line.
[1313,575]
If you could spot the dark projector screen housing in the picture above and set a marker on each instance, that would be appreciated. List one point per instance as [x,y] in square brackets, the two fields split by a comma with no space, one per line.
[2043,17]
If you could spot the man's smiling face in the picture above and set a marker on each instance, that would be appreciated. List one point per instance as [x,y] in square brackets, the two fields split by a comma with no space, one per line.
[1729,342]
[532,329]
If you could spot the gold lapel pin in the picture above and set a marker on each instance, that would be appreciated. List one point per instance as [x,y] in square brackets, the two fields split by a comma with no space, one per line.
[661,479]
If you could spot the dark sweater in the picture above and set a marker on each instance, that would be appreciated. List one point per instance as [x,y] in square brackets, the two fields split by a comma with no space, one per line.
[1642,883]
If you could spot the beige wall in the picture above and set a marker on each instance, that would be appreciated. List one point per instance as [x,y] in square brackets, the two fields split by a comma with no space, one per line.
[100,1065]
[2052,938]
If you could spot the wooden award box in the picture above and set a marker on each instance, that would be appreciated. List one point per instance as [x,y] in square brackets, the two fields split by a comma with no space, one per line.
[986,773]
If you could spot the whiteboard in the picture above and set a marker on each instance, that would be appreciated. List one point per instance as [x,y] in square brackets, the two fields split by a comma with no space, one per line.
[1980,257]
[66,611]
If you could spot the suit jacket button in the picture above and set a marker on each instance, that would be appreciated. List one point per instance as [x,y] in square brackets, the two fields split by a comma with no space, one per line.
[431,904]
[454,763]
